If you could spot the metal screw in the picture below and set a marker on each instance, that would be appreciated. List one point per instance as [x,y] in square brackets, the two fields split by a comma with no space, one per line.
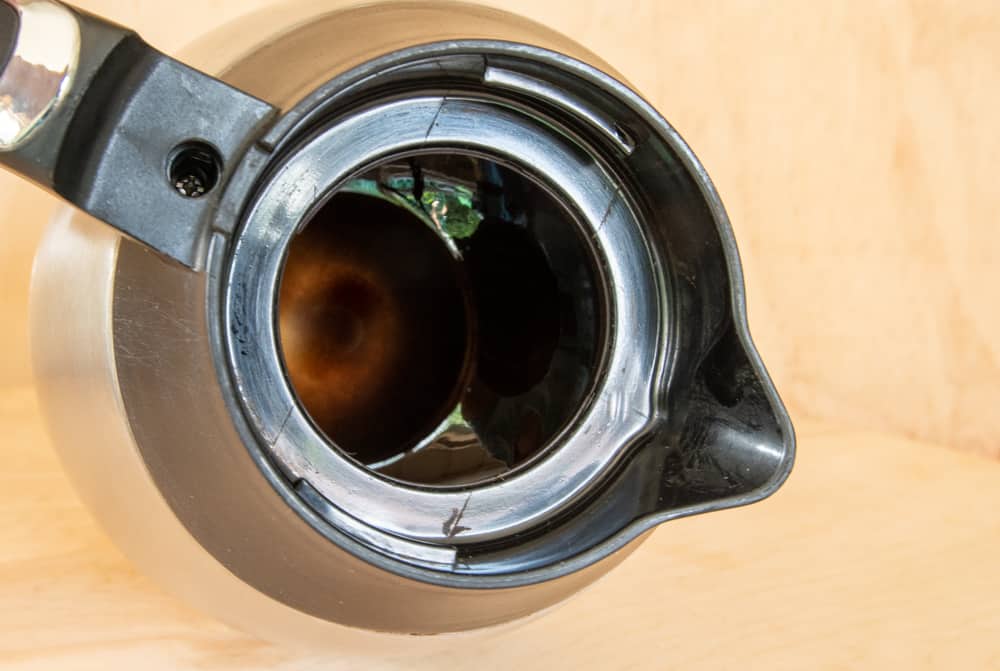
[190,186]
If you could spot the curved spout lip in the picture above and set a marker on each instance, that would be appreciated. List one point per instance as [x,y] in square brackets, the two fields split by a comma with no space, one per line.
[781,454]
[737,296]
[785,429]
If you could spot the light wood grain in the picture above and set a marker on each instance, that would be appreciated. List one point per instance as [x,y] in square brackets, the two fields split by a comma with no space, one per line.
[879,553]
[854,145]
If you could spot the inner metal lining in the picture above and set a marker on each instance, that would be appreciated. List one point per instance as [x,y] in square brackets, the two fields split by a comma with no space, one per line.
[441,318]
[373,322]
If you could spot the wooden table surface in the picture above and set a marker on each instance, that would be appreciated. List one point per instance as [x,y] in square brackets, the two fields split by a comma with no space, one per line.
[855,146]
[878,553]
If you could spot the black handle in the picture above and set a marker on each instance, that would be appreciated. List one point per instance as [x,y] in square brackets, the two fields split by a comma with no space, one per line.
[127,134]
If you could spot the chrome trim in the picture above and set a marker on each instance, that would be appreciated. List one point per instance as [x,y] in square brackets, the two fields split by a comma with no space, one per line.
[39,73]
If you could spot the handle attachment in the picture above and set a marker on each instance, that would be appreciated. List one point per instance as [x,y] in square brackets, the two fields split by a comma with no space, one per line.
[135,138]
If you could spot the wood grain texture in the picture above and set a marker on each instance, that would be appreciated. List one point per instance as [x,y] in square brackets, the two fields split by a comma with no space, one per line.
[853,144]
[879,553]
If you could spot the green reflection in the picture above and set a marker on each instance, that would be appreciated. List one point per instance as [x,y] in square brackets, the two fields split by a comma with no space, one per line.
[449,207]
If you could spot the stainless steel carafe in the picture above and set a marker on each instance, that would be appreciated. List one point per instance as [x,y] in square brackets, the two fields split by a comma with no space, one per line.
[413,319]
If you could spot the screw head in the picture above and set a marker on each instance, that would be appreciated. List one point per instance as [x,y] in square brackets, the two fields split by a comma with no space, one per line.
[190,186]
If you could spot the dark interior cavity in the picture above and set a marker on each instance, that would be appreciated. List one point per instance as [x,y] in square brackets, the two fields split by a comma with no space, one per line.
[440,318]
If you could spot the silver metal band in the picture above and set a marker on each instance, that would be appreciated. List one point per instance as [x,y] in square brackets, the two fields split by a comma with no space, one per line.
[39,72]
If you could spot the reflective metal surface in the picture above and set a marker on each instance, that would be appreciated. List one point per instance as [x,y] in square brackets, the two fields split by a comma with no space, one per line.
[440,318]
[39,70]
